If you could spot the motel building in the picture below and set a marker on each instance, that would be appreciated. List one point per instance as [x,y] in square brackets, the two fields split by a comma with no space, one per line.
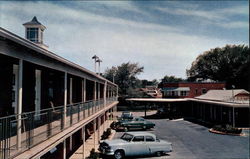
[215,107]
[49,106]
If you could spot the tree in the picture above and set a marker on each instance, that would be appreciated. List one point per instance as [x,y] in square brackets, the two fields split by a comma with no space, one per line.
[124,76]
[230,64]
[169,79]
[145,83]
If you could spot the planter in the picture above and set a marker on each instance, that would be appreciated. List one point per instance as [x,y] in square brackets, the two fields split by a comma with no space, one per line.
[224,133]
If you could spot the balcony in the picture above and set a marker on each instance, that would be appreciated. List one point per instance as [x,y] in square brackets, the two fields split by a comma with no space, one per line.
[37,127]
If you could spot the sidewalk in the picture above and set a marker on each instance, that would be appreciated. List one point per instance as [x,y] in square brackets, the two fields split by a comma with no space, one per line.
[89,144]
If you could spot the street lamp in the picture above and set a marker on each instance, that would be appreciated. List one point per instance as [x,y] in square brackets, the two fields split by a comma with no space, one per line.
[99,62]
[233,92]
[95,58]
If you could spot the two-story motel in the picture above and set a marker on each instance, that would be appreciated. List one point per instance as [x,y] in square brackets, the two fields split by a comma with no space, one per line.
[48,105]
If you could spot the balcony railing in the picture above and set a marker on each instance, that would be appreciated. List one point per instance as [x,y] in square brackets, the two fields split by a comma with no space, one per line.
[39,126]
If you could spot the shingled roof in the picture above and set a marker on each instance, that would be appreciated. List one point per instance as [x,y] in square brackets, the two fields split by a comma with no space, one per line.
[34,21]
[221,95]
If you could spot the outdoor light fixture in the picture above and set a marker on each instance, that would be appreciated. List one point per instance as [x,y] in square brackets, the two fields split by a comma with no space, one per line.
[99,63]
[95,58]
[233,92]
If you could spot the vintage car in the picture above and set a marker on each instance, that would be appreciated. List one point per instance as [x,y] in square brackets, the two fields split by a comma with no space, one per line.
[135,144]
[126,115]
[135,123]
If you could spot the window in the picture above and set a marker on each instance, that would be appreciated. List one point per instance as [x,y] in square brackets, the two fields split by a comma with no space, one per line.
[172,93]
[138,139]
[127,137]
[150,139]
[32,34]
[184,93]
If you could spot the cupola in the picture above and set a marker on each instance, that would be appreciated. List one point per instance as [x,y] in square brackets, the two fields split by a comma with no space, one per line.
[34,32]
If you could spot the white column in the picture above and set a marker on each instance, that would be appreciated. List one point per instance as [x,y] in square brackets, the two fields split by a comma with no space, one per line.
[95,90]
[65,98]
[70,90]
[104,93]
[83,142]
[99,94]
[84,91]
[95,94]
[94,128]
[19,105]
[98,125]
[70,142]
[117,92]
[104,122]
[64,149]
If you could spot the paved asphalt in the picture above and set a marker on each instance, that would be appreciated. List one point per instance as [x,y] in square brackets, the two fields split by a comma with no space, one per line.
[193,141]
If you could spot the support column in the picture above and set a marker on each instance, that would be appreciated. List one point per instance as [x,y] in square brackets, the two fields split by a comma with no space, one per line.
[64,149]
[95,95]
[70,90]
[233,118]
[70,143]
[65,99]
[83,142]
[19,105]
[84,91]
[99,94]
[94,128]
[99,128]
[103,124]
[83,96]
[105,93]
[117,92]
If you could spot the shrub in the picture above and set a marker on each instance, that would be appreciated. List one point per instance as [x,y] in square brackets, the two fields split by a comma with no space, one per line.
[106,134]
[227,129]
[93,154]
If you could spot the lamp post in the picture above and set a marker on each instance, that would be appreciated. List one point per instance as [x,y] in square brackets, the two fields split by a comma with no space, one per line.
[99,63]
[233,92]
[95,58]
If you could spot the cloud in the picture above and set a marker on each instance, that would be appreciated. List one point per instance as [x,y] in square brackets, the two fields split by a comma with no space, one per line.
[218,17]
[77,35]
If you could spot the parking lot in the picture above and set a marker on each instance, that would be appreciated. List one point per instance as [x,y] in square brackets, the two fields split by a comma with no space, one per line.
[191,140]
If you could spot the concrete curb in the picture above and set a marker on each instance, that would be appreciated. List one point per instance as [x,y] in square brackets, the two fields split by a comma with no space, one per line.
[223,133]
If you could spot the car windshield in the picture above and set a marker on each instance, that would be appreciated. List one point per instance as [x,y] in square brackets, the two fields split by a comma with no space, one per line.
[127,137]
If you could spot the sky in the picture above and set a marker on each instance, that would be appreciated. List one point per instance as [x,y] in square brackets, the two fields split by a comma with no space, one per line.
[164,37]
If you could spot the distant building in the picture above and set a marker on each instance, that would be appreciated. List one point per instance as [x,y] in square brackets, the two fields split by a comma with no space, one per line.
[189,89]
[235,95]
[152,91]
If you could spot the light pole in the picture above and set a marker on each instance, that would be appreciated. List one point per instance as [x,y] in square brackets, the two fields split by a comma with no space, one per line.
[99,63]
[95,58]
[233,92]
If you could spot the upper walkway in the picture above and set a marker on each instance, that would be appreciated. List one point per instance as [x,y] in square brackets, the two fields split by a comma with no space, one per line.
[47,127]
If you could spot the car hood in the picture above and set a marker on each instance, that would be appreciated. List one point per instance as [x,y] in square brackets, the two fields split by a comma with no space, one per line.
[115,142]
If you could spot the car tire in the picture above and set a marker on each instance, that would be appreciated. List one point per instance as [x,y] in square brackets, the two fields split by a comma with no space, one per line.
[119,154]
[158,153]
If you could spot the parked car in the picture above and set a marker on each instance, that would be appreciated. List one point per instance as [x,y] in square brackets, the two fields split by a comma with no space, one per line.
[135,123]
[135,144]
[126,115]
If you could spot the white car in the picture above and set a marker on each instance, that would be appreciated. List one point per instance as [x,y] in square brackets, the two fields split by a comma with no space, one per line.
[135,144]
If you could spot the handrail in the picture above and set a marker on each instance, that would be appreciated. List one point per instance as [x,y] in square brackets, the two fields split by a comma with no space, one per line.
[38,126]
